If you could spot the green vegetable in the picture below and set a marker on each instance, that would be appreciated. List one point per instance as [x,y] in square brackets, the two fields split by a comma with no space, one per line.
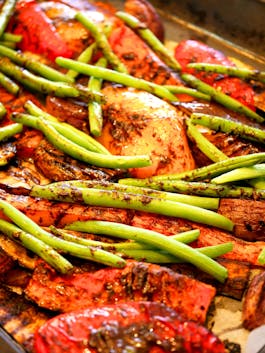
[246,74]
[66,130]
[84,252]
[202,173]
[207,189]
[228,126]
[255,171]
[204,202]
[84,57]
[11,37]
[118,199]
[148,36]
[8,84]
[7,44]
[40,84]
[2,110]
[186,90]
[184,237]
[221,97]
[257,183]
[69,131]
[261,257]
[47,253]
[155,256]
[204,144]
[34,65]
[10,130]
[94,108]
[101,41]
[5,14]
[78,152]
[157,240]
[117,77]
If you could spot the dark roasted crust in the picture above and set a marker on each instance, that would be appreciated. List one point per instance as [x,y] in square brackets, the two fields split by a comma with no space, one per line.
[20,318]
[57,166]
[248,216]
[254,303]
[136,282]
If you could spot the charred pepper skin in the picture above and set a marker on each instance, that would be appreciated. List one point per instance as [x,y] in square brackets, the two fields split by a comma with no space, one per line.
[157,326]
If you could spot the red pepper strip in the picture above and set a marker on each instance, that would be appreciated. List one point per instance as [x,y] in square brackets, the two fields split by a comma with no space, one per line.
[143,326]
[39,34]
[192,51]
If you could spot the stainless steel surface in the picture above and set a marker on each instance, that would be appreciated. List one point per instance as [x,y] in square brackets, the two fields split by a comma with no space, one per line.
[238,21]
[8,345]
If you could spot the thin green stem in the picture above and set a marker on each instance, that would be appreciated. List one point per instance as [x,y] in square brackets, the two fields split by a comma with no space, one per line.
[84,252]
[95,114]
[42,85]
[118,199]
[46,252]
[117,77]
[221,97]
[204,202]
[203,144]
[148,36]
[157,240]
[102,42]
[245,74]
[34,65]
[10,130]
[228,126]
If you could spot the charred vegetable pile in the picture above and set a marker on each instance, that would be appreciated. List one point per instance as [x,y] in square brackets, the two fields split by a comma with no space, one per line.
[132,182]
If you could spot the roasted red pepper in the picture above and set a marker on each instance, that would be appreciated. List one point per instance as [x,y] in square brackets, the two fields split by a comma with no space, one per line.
[192,51]
[39,34]
[141,327]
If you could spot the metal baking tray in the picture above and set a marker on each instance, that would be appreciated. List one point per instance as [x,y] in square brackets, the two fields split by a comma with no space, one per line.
[235,27]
